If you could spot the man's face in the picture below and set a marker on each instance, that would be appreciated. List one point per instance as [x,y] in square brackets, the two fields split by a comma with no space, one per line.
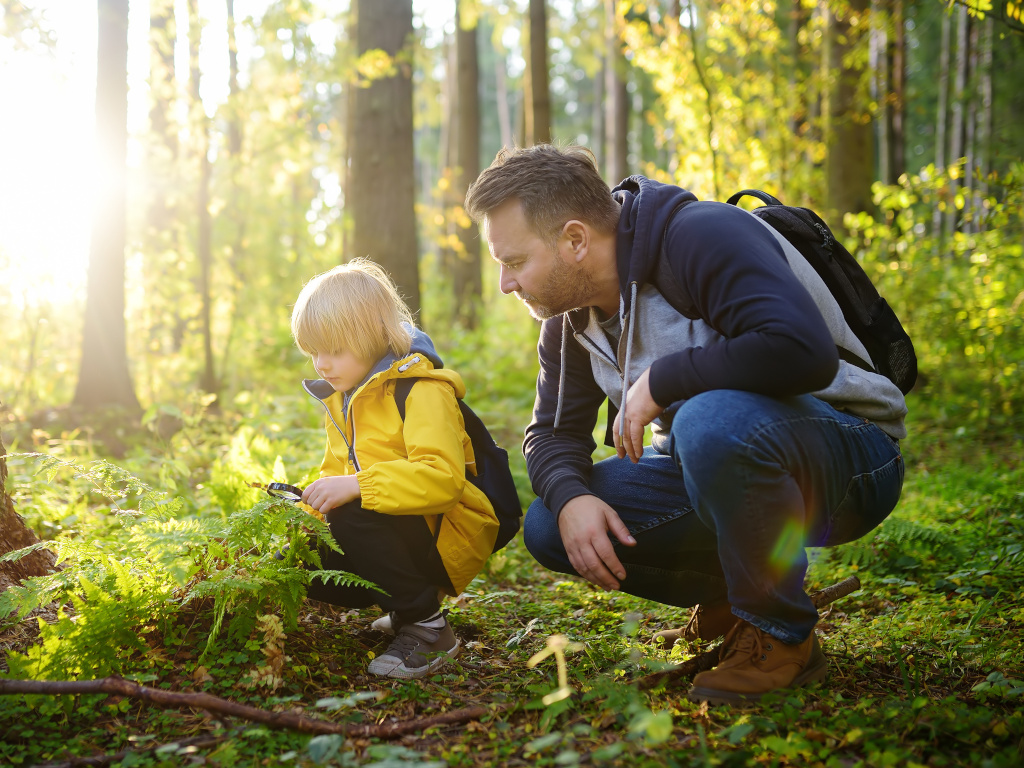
[545,277]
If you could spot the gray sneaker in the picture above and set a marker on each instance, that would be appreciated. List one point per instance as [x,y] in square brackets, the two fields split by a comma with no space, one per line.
[416,652]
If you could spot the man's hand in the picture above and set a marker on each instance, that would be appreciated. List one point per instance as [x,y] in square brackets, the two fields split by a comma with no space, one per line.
[584,525]
[638,411]
[327,493]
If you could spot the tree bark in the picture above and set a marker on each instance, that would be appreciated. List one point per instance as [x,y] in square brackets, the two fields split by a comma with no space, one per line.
[898,84]
[468,281]
[616,122]
[204,230]
[958,127]
[14,535]
[942,117]
[104,378]
[849,171]
[538,121]
[382,194]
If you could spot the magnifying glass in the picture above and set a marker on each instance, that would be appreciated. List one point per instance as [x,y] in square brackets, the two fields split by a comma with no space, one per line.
[285,491]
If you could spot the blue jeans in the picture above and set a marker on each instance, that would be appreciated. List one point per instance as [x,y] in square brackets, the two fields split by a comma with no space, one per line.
[725,507]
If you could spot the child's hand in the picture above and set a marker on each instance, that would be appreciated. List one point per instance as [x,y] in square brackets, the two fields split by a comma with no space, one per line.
[329,492]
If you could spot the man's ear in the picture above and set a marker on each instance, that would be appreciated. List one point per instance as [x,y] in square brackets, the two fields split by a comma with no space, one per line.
[574,241]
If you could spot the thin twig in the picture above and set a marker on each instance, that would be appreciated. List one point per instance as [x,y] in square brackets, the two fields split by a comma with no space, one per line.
[708,659]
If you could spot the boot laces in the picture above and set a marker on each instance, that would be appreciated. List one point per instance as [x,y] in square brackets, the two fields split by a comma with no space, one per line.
[746,640]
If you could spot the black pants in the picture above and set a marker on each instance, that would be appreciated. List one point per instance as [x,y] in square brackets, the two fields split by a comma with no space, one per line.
[396,552]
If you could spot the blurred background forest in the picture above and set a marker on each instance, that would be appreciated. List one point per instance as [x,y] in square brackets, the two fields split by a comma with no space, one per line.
[204,158]
[173,171]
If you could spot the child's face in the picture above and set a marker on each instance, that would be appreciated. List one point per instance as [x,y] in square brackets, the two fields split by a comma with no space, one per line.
[343,370]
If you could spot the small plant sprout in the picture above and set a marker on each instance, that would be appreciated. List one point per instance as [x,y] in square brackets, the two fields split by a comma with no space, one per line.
[557,645]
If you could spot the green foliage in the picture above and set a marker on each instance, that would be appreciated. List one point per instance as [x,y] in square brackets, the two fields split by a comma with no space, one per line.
[960,298]
[141,576]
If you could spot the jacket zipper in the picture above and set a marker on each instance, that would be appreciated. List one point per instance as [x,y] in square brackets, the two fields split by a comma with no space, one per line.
[595,349]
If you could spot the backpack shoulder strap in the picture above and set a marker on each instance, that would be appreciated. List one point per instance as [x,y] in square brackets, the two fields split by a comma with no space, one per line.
[402,389]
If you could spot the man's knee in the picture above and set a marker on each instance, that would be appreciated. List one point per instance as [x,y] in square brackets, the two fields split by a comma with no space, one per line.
[712,428]
[542,538]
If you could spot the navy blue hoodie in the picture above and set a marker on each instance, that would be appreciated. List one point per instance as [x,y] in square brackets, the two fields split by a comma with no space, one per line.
[712,262]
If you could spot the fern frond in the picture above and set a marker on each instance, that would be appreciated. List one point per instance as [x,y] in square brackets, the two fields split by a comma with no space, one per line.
[343,579]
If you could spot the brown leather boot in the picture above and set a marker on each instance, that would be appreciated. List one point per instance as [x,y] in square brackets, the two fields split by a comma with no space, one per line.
[755,663]
[707,622]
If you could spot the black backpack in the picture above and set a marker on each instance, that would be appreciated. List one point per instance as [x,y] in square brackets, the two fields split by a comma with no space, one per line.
[493,475]
[869,315]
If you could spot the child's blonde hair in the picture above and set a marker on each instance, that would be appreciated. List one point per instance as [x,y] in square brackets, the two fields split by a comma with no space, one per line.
[354,307]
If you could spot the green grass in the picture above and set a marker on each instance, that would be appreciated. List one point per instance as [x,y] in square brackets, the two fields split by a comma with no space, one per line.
[924,661]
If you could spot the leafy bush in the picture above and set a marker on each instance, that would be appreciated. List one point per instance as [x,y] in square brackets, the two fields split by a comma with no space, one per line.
[960,297]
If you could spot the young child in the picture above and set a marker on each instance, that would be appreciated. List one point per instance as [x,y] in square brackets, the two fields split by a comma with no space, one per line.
[393,490]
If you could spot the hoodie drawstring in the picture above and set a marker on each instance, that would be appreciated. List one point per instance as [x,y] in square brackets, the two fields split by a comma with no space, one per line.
[629,353]
[561,369]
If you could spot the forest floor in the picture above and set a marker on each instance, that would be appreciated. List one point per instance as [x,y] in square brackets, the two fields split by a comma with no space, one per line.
[924,663]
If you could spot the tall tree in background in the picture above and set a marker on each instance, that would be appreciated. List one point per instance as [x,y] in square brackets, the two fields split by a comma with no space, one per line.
[616,120]
[889,61]
[538,96]
[104,379]
[467,278]
[849,133]
[163,145]
[204,231]
[382,191]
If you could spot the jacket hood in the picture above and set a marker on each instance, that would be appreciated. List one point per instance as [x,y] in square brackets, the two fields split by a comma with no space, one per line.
[422,361]
[647,208]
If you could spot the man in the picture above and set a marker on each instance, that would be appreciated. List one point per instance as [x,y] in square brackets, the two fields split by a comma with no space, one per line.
[696,318]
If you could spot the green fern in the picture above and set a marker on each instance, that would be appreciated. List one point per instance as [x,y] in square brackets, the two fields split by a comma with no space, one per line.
[143,572]
[898,544]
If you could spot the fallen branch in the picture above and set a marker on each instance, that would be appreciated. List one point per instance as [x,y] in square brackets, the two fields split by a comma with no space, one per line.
[118,686]
[709,659]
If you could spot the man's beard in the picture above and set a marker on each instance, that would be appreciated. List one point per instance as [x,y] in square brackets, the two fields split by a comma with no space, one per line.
[567,288]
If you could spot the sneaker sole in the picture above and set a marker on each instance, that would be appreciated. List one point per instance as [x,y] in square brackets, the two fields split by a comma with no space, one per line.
[816,672]
[401,672]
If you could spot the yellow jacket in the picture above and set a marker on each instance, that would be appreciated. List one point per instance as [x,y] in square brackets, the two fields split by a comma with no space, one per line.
[413,467]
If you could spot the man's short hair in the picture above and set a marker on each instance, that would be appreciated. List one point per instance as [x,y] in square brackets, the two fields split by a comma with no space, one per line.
[354,307]
[553,184]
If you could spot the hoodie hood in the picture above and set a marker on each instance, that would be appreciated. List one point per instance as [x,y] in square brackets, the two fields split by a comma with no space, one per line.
[422,345]
[647,208]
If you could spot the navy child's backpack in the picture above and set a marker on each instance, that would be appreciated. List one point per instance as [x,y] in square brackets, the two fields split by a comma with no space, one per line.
[869,315]
[493,475]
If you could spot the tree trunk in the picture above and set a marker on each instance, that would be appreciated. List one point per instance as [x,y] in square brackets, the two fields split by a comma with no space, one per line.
[163,148]
[942,118]
[598,138]
[898,92]
[468,279]
[616,122]
[501,88]
[14,534]
[849,173]
[104,379]
[382,195]
[538,122]
[204,230]
[957,128]
[985,123]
